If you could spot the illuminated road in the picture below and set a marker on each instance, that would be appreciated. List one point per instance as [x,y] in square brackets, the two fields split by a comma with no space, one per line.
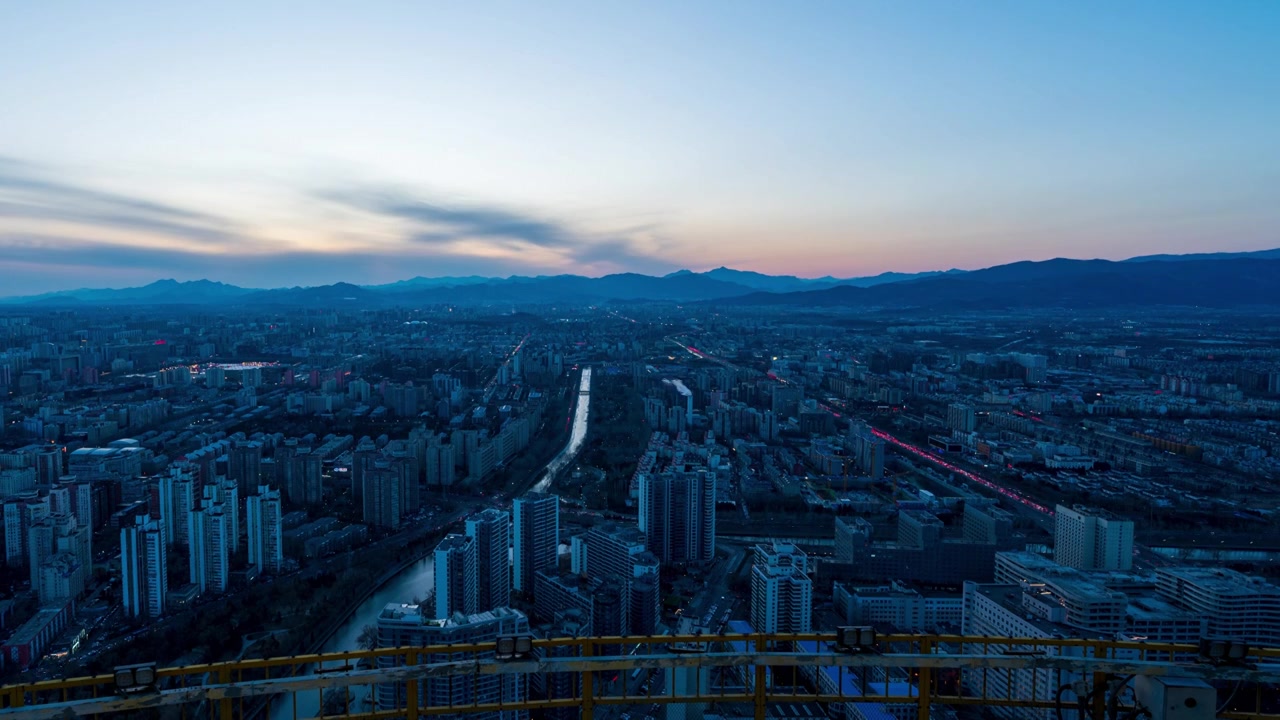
[493,383]
[933,458]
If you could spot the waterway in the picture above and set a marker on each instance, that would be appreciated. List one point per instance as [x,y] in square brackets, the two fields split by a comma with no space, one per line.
[417,579]
[576,436]
[414,581]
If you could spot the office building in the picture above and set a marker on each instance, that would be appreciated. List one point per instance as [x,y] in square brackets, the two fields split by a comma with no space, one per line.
[988,524]
[1000,610]
[491,530]
[455,576]
[781,590]
[678,515]
[265,530]
[921,554]
[1092,542]
[1237,606]
[536,537]
[144,572]
[400,625]
[851,533]
[904,608]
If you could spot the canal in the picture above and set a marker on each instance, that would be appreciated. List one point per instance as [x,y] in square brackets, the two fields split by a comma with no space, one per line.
[416,581]
[576,435]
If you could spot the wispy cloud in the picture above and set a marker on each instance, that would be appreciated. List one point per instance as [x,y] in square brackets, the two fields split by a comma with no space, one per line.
[437,223]
[59,234]
[27,193]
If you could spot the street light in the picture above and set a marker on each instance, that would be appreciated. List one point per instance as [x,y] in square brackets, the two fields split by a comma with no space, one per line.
[1223,651]
[512,647]
[134,679]
[855,638]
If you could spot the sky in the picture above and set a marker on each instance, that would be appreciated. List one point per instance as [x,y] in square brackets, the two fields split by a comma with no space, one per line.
[274,144]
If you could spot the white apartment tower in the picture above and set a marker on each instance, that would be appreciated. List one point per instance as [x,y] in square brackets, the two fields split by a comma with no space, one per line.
[1092,542]
[781,590]
[144,573]
[266,531]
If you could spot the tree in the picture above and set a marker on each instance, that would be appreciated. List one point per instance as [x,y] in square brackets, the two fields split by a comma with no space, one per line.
[368,638]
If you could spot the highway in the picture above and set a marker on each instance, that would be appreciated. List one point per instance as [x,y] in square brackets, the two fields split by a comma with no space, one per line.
[933,458]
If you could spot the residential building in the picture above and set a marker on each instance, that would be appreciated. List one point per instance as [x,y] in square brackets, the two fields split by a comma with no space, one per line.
[400,625]
[678,515]
[265,530]
[455,576]
[1091,541]
[781,590]
[144,570]
[491,530]
[537,537]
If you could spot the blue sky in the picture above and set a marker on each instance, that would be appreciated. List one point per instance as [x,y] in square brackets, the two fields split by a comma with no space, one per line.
[273,143]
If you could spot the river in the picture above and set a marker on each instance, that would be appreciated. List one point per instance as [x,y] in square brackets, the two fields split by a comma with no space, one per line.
[417,579]
[576,436]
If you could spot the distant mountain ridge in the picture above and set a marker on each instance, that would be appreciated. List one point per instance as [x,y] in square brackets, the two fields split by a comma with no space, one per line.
[1212,279]
[1230,282]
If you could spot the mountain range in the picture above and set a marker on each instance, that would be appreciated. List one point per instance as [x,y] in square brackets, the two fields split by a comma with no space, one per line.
[1211,280]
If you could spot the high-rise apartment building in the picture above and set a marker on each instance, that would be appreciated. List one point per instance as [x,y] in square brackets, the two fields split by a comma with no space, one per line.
[178,496]
[491,530]
[536,537]
[1092,542]
[786,401]
[615,550]
[678,515]
[144,571]
[244,465]
[209,546]
[781,590]
[961,417]
[20,514]
[439,463]
[362,457]
[868,450]
[265,530]
[381,499]
[455,576]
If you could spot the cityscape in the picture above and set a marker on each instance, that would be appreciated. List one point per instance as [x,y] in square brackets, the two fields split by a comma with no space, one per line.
[313,478]
[847,361]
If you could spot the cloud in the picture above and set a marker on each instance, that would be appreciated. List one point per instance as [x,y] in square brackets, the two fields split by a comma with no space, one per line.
[32,265]
[27,193]
[436,223]
[58,235]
